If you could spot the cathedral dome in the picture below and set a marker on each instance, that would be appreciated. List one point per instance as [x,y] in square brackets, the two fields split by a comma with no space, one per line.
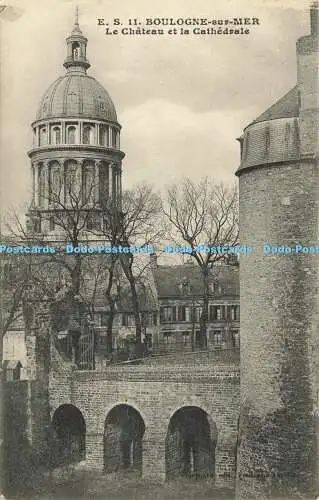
[77,95]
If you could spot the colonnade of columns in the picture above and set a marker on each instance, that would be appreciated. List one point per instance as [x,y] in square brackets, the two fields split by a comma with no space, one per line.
[89,182]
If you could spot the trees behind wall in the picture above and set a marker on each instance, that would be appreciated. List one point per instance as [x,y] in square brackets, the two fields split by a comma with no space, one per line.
[203,213]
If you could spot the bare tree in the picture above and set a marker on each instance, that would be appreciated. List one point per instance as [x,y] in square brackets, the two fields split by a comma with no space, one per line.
[140,224]
[203,216]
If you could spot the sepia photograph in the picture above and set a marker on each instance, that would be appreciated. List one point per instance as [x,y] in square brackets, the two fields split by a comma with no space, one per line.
[159,250]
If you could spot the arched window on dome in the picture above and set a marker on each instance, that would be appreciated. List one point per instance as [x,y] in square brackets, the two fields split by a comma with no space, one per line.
[41,185]
[76,50]
[88,183]
[56,135]
[103,135]
[43,135]
[71,133]
[88,134]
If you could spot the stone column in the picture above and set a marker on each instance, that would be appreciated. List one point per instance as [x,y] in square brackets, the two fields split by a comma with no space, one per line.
[94,446]
[153,460]
[63,132]
[96,186]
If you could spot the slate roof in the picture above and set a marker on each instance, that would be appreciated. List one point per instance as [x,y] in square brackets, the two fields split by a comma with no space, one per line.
[169,279]
[286,107]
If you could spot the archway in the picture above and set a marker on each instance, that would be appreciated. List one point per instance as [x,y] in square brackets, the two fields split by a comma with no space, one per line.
[68,435]
[123,434]
[190,444]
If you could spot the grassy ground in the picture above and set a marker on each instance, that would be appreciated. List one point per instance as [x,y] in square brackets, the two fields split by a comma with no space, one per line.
[88,485]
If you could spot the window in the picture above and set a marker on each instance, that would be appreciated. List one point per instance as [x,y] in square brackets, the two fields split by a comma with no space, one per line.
[186,338]
[114,138]
[56,135]
[234,313]
[37,225]
[124,319]
[185,288]
[104,318]
[71,134]
[88,134]
[103,135]
[167,314]
[168,337]
[195,314]
[235,339]
[43,136]
[76,50]
[148,340]
[217,337]
[181,313]
[216,288]
[155,318]
[216,313]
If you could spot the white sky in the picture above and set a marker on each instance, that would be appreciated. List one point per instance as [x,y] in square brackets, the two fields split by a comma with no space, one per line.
[181,101]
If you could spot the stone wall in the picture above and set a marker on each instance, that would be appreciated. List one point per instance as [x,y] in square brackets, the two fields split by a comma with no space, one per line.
[156,392]
[279,311]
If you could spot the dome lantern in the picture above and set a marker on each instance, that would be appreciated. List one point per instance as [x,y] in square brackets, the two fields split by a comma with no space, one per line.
[76,48]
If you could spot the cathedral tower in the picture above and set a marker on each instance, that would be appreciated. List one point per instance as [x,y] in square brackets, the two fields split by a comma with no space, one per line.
[76,157]
[278,186]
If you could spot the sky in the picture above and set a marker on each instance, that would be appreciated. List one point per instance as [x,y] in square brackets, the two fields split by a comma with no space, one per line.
[181,100]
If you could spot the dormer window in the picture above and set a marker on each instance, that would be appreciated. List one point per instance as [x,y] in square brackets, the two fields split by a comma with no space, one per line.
[216,288]
[185,288]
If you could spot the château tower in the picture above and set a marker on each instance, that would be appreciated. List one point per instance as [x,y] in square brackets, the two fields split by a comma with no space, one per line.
[279,188]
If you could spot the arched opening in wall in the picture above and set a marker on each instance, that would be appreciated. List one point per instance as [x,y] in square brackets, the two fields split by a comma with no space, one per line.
[68,435]
[76,51]
[88,134]
[123,435]
[190,444]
